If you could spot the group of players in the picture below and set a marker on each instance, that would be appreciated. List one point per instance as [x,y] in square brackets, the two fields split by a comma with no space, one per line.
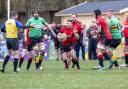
[34,37]
[108,33]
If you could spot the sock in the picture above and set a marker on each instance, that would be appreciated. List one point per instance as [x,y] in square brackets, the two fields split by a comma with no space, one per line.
[5,62]
[15,63]
[29,63]
[126,59]
[100,57]
[73,63]
[40,61]
[116,63]
[66,64]
[109,58]
[77,64]
[21,61]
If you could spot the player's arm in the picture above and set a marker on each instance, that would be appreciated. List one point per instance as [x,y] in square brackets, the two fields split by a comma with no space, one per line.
[122,30]
[49,27]
[19,25]
[59,37]
[76,34]
[3,28]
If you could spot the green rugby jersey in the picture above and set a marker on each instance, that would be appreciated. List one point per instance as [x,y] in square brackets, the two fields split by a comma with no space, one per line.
[35,32]
[114,24]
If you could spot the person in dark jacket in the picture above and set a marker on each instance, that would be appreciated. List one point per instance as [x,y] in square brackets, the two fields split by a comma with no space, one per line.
[92,41]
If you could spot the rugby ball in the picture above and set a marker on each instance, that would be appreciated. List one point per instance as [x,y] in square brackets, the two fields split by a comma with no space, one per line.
[63,36]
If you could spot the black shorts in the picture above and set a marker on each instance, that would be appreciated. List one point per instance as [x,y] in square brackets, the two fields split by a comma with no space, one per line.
[34,41]
[115,43]
[57,44]
[64,49]
[12,43]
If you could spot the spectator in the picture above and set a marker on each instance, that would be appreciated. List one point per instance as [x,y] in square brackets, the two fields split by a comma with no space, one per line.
[92,41]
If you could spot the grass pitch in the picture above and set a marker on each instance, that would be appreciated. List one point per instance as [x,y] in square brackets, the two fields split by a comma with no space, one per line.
[55,77]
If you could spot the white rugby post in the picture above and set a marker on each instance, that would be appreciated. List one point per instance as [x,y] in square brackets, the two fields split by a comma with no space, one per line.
[8,8]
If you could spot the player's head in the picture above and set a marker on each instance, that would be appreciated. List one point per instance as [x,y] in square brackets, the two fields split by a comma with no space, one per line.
[110,13]
[14,14]
[54,25]
[97,13]
[74,17]
[69,24]
[35,14]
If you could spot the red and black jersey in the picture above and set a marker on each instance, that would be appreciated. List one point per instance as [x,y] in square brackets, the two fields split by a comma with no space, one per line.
[125,31]
[105,32]
[69,33]
[79,27]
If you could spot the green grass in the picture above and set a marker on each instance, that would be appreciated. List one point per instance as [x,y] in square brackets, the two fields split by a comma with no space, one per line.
[55,77]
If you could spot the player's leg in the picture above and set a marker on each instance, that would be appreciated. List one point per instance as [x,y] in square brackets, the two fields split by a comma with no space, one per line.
[36,55]
[22,58]
[77,48]
[83,51]
[7,57]
[74,58]
[15,50]
[126,55]
[41,54]
[112,46]
[100,50]
[64,56]
[31,53]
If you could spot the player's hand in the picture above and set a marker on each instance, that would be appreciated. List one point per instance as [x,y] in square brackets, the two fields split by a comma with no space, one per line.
[54,35]
[32,26]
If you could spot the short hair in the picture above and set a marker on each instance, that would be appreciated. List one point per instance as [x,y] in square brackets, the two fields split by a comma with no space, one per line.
[74,15]
[35,11]
[97,12]
[14,13]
